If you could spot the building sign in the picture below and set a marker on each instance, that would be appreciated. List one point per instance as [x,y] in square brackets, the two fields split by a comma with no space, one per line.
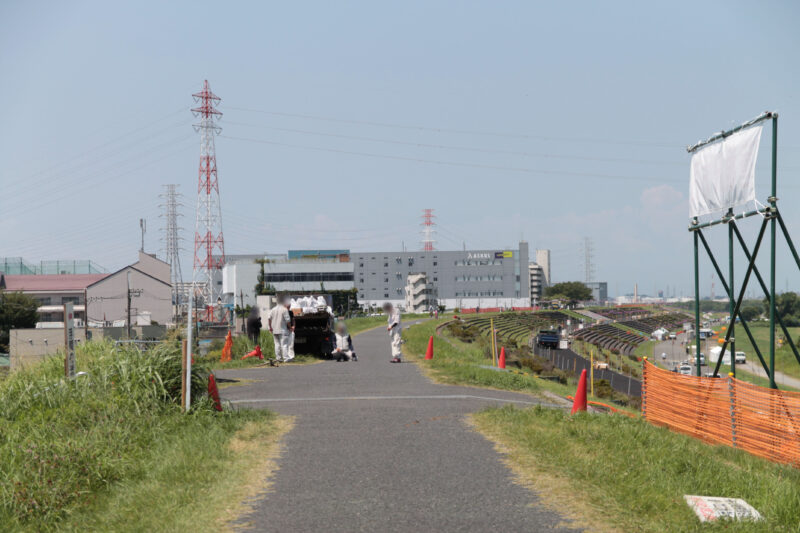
[69,341]
[711,508]
[479,255]
[501,255]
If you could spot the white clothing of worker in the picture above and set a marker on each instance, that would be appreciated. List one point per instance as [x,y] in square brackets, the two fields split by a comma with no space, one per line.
[279,321]
[395,333]
[343,347]
[290,339]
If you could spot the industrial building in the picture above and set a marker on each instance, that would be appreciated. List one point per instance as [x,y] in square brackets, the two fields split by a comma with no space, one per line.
[539,272]
[599,291]
[295,271]
[421,295]
[465,278]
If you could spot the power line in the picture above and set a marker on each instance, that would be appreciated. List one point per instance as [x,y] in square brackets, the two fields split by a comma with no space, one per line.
[457,163]
[463,132]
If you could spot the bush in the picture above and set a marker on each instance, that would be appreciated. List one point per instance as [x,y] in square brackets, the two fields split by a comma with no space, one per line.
[63,440]
[602,388]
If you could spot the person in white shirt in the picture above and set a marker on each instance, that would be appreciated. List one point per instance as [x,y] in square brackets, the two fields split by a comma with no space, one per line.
[395,330]
[343,345]
[279,326]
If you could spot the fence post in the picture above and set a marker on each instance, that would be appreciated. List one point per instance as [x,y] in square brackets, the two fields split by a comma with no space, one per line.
[644,387]
[732,396]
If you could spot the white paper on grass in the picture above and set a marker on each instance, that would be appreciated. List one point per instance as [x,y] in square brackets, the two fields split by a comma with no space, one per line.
[723,173]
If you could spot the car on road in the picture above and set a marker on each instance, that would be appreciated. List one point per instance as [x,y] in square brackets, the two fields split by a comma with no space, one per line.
[741,358]
[663,356]
[673,336]
[685,370]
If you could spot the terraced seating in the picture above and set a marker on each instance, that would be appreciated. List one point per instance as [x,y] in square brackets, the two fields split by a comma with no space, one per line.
[517,327]
[622,313]
[611,337]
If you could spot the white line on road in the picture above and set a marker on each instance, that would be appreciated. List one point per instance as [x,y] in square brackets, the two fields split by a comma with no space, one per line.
[369,398]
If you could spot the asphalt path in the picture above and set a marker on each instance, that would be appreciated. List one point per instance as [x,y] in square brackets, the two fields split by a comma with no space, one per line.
[378,447]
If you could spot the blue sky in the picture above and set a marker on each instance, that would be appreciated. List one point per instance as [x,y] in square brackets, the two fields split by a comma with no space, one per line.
[343,120]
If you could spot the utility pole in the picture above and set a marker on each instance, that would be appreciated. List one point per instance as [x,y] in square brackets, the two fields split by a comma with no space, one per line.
[131,294]
[129,304]
[143,227]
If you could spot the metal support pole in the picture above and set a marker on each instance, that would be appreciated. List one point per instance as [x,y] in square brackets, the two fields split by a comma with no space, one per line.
[773,229]
[730,290]
[764,288]
[731,302]
[745,280]
[697,301]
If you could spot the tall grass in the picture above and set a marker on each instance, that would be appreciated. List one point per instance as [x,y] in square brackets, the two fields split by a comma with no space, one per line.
[62,442]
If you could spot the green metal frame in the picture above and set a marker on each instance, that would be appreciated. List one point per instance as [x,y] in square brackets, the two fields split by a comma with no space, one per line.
[772,218]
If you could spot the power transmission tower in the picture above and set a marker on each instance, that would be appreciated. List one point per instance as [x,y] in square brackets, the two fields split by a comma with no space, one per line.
[172,246]
[208,224]
[588,260]
[427,230]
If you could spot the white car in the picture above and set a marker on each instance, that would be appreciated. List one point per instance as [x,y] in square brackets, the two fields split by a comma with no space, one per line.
[673,336]
[685,370]
[740,358]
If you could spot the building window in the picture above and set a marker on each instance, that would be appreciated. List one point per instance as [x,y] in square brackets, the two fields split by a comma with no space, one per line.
[435,263]
[386,295]
[386,280]
[361,280]
[435,279]
[70,300]
[44,301]
[361,265]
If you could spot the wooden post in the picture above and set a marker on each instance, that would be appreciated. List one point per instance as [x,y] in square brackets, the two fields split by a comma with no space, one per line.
[183,374]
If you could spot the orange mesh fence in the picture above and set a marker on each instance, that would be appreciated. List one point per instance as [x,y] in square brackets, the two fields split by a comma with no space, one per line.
[765,422]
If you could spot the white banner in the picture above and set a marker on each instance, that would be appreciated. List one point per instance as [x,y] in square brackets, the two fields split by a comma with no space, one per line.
[723,174]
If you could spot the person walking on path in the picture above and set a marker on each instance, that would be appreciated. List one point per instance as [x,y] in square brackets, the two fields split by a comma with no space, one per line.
[395,329]
[279,321]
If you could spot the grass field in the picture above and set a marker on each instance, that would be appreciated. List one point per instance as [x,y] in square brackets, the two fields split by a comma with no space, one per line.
[784,358]
[459,363]
[112,451]
[613,473]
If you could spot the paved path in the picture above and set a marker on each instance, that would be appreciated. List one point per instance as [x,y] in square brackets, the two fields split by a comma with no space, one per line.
[378,447]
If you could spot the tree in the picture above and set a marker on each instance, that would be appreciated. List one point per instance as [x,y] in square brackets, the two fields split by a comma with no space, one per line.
[17,310]
[569,290]
[750,312]
[262,287]
[787,306]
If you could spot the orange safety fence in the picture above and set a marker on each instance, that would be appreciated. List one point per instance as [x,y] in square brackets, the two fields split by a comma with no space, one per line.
[764,422]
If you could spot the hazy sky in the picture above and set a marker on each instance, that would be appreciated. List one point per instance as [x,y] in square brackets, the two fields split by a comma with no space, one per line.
[549,121]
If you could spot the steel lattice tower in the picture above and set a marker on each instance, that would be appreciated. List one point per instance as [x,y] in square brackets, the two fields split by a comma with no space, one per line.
[172,247]
[427,230]
[209,246]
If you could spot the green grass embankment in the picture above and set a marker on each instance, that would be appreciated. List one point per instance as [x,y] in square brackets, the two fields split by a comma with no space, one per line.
[460,363]
[112,451]
[614,473]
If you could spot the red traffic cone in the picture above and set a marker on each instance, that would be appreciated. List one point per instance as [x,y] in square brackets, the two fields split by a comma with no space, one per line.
[255,353]
[579,404]
[429,351]
[213,392]
[501,362]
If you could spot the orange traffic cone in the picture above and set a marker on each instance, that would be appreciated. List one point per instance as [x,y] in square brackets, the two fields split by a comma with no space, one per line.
[213,392]
[255,353]
[579,404]
[429,351]
[501,362]
[226,350]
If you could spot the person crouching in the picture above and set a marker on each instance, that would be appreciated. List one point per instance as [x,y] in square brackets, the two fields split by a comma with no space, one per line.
[343,349]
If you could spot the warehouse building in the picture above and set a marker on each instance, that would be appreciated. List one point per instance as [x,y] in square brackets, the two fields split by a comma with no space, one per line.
[464,278]
[468,278]
[295,271]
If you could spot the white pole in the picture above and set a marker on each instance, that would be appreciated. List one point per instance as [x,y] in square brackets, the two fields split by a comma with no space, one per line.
[189,328]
